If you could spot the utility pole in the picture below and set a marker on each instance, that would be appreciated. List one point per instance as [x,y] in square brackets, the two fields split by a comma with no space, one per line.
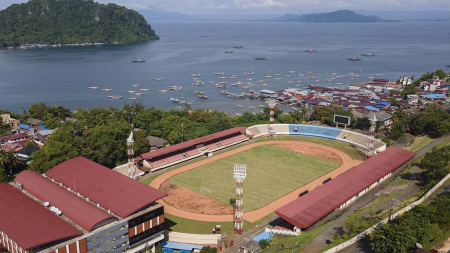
[182,132]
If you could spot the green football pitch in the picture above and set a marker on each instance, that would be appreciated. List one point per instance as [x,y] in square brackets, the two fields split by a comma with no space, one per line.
[272,172]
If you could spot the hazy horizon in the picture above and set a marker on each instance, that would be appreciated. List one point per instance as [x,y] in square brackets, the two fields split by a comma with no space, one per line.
[262,7]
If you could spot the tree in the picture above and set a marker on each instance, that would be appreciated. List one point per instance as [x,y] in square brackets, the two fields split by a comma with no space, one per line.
[264,243]
[409,90]
[8,163]
[38,111]
[355,222]
[158,248]
[397,132]
[363,123]
[208,249]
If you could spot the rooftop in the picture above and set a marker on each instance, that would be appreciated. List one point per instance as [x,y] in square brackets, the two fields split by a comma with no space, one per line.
[122,195]
[308,209]
[19,213]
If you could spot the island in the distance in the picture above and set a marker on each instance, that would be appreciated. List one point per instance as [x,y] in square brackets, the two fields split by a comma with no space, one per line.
[340,16]
[61,22]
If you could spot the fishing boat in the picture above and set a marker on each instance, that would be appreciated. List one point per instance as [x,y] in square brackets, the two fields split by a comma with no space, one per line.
[249,73]
[262,106]
[238,46]
[219,74]
[237,114]
[138,94]
[163,91]
[310,50]
[252,107]
[145,89]
[354,58]
[138,60]
[135,85]
[93,87]
[368,54]
[133,98]
[195,75]
[175,88]
[378,74]
[131,91]
[202,96]
[229,51]
[238,105]
[158,78]
[198,93]
[115,97]
[260,58]
[107,89]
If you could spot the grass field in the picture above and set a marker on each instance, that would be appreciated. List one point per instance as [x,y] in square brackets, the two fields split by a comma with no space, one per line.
[272,172]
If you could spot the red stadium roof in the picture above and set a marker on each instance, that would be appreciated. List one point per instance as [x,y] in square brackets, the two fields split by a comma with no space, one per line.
[116,192]
[73,207]
[192,143]
[308,209]
[28,223]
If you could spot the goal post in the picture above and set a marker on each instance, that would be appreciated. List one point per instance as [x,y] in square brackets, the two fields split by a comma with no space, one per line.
[205,191]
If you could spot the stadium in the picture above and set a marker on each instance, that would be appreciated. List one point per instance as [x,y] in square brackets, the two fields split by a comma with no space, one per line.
[300,172]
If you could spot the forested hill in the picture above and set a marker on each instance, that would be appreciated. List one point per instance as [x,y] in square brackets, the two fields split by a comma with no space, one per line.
[71,21]
[332,17]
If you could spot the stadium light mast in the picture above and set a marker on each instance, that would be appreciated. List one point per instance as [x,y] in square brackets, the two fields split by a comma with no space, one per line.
[272,103]
[130,148]
[240,172]
[373,121]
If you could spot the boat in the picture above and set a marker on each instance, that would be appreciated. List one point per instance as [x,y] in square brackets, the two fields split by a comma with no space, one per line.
[360,70]
[378,74]
[268,76]
[131,91]
[158,78]
[249,73]
[175,88]
[238,46]
[310,50]
[138,94]
[368,54]
[163,91]
[144,89]
[229,51]
[262,106]
[354,59]
[115,97]
[107,89]
[135,85]
[195,75]
[93,87]
[133,98]
[202,96]
[252,107]
[198,93]
[260,58]
[219,73]
[238,105]
[138,60]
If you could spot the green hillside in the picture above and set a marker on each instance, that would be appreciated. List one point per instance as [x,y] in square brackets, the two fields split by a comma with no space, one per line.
[72,21]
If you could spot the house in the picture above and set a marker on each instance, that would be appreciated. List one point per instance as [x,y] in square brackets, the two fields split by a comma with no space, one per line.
[25,153]
[156,143]
[13,138]
[412,99]
[384,117]
[24,128]
[6,118]
[34,122]
[250,247]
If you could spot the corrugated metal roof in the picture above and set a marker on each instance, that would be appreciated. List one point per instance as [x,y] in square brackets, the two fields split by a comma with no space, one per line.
[73,207]
[114,191]
[14,137]
[308,209]
[28,223]
[192,143]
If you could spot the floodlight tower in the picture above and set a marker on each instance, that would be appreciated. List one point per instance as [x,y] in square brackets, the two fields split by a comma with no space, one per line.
[130,145]
[373,121]
[240,172]
[272,103]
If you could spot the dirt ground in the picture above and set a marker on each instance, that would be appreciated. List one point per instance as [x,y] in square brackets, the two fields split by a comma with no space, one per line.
[187,204]
[185,199]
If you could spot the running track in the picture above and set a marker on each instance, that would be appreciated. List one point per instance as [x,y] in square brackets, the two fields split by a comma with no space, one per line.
[252,216]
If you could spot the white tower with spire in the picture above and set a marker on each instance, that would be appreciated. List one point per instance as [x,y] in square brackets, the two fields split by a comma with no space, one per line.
[130,147]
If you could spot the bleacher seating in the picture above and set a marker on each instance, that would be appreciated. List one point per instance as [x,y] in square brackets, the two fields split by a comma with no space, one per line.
[167,160]
[258,130]
[360,140]
[282,129]
[211,146]
[232,140]
[192,152]
[315,131]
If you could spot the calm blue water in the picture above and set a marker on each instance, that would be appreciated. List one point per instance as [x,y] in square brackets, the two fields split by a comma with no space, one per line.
[62,76]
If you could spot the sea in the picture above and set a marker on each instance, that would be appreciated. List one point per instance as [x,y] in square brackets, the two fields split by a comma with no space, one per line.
[61,76]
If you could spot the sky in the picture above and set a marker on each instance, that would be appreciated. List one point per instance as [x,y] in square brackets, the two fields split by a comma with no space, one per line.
[207,7]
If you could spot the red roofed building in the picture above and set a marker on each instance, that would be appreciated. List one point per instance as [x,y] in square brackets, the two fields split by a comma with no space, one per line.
[342,190]
[13,138]
[27,224]
[78,207]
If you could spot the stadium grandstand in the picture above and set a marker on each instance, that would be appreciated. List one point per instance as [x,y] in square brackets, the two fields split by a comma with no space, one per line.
[79,206]
[184,151]
[172,155]
[357,139]
[344,189]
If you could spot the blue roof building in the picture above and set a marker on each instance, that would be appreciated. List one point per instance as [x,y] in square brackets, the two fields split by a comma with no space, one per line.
[371,108]
[168,247]
[263,236]
[434,96]
[24,126]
